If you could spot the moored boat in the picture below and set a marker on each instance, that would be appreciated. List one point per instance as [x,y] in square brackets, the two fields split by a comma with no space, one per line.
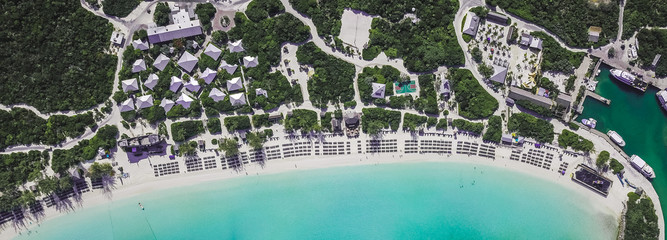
[590,122]
[629,79]
[614,136]
[662,98]
[641,166]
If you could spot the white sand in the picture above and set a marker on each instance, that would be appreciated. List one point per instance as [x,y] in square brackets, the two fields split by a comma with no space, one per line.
[354,28]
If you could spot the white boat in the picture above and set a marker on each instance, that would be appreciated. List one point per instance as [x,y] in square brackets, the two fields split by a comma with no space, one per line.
[591,123]
[662,98]
[616,138]
[629,79]
[641,166]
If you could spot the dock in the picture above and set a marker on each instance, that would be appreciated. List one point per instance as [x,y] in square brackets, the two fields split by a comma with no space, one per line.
[605,137]
[598,97]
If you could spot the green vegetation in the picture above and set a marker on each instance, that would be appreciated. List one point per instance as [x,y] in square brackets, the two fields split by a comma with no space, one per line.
[641,222]
[571,27]
[261,9]
[213,125]
[119,8]
[302,119]
[205,12]
[428,96]
[401,102]
[229,146]
[476,54]
[21,126]
[569,87]
[220,38]
[432,121]
[161,14]
[424,45]
[236,123]
[373,120]
[333,78]
[468,126]
[19,167]
[640,13]
[278,89]
[616,167]
[99,170]
[179,111]
[153,114]
[473,101]
[86,149]
[573,126]
[480,11]
[602,159]
[442,124]
[578,143]
[413,122]
[653,42]
[386,75]
[557,58]
[187,148]
[545,112]
[494,130]
[64,67]
[256,140]
[182,131]
[528,126]
[261,120]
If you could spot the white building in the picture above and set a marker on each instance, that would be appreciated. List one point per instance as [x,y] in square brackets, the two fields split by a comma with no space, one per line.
[126,105]
[228,67]
[161,62]
[181,28]
[212,51]
[141,45]
[144,102]
[130,85]
[499,74]
[208,75]
[167,104]
[138,66]
[187,61]
[236,46]
[217,95]
[175,84]
[262,92]
[192,86]
[237,99]
[184,100]
[117,38]
[234,84]
[249,61]
[471,24]
[151,81]
[378,90]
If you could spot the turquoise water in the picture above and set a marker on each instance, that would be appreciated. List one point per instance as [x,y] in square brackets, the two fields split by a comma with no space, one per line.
[393,201]
[638,118]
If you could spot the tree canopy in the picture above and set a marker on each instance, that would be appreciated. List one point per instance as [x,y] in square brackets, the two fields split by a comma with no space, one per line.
[182,131]
[640,13]
[373,120]
[528,126]
[557,58]
[652,42]
[119,8]
[333,78]
[86,149]
[22,126]
[474,102]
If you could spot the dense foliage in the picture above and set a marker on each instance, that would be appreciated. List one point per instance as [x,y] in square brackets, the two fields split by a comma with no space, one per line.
[205,12]
[52,55]
[473,101]
[161,14]
[333,78]
[652,42]
[99,170]
[602,159]
[213,125]
[641,222]
[182,131]
[556,58]
[278,89]
[413,122]
[119,8]
[468,126]
[568,19]
[386,75]
[428,96]
[640,13]
[442,124]
[578,143]
[545,112]
[616,167]
[494,130]
[86,149]
[19,167]
[373,120]
[261,120]
[302,119]
[230,146]
[236,123]
[528,126]
[424,45]
[261,9]
[22,126]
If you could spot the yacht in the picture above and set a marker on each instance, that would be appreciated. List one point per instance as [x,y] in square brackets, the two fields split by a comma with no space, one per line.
[616,138]
[590,122]
[641,166]
[629,79]
[662,98]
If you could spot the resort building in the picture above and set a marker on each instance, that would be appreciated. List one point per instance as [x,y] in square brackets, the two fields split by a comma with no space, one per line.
[536,43]
[655,60]
[249,61]
[161,62]
[497,18]
[520,94]
[192,86]
[335,125]
[351,120]
[127,105]
[509,35]
[237,99]
[182,27]
[378,90]
[236,46]
[594,33]
[184,100]
[187,61]
[499,74]
[141,45]
[144,101]
[234,84]
[525,39]
[217,95]
[151,81]
[212,51]
[130,85]
[138,66]
[445,89]
[175,84]
[262,92]
[117,38]
[167,104]
[228,67]
[208,75]
[141,141]
[470,25]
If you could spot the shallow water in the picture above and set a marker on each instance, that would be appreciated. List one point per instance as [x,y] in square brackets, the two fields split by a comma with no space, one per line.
[392,201]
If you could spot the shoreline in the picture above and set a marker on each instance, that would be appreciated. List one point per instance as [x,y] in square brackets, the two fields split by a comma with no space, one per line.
[597,203]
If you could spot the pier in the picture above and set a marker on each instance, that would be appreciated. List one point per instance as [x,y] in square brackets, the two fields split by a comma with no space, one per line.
[598,97]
